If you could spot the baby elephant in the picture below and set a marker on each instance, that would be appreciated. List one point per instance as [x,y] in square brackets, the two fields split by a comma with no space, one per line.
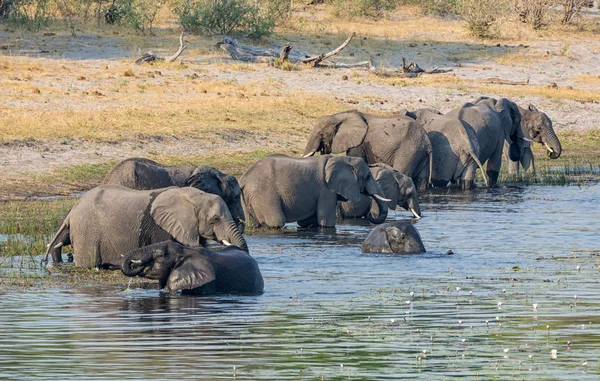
[399,237]
[194,269]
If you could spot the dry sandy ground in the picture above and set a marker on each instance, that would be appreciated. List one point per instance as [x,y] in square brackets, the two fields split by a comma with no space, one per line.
[542,62]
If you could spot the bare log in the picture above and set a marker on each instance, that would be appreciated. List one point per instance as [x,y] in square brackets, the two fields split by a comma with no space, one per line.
[500,81]
[150,56]
[285,52]
[315,60]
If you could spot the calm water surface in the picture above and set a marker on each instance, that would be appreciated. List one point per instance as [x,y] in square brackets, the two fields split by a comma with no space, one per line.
[330,312]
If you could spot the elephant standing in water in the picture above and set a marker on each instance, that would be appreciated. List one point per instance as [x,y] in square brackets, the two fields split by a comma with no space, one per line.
[399,237]
[536,127]
[145,174]
[455,148]
[398,141]
[494,122]
[400,189]
[280,189]
[111,220]
[195,270]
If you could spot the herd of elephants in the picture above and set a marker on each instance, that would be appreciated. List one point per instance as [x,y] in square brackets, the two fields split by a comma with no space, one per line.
[154,221]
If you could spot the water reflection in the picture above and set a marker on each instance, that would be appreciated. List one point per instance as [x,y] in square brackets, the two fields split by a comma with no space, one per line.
[434,316]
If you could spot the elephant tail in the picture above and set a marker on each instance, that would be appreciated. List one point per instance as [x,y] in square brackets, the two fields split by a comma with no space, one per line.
[485,179]
[247,207]
[55,244]
[430,182]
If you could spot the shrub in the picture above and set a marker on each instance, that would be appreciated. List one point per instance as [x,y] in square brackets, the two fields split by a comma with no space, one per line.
[534,12]
[571,8]
[255,19]
[481,15]
[370,8]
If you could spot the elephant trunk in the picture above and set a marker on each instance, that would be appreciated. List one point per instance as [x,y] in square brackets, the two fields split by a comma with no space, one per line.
[134,262]
[232,236]
[552,144]
[382,211]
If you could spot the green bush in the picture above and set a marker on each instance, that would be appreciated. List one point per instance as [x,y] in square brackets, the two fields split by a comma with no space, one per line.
[481,15]
[367,8]
[252,18]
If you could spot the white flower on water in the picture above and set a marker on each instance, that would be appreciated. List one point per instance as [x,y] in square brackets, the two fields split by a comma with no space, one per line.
[506,350]
[535,306]
[554,354]
[411,294]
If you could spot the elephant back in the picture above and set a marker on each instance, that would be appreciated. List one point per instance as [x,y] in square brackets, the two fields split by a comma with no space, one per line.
[139,173]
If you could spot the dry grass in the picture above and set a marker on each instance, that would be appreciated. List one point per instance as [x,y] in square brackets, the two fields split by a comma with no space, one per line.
[588,79]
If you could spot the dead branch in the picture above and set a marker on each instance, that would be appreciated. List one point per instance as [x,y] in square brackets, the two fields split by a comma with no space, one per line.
[412,70]
[149,56]
[285,52]
[315,60]
[500,81]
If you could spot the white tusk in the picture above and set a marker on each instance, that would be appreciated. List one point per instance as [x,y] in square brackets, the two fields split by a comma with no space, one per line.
[310,154]
[381,198]
[136,261]
[549,148]
[226,243]
[414,212]
[58,246]
[527,139]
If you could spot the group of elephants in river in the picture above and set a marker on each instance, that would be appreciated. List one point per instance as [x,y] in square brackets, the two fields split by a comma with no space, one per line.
[154,221]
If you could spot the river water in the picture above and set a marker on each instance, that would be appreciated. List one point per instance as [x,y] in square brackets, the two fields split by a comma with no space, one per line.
[512,302]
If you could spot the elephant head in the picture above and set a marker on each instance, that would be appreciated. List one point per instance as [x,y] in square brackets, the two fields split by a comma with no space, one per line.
[348,177]
[538,127]
[511,123]
[400,189]
[337,133]
[211,180]
[195,269]
[398,237]
[192,216]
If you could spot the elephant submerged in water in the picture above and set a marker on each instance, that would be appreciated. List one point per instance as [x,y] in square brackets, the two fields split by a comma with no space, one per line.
[111,220]
[280,189]
[145,174]
[399,237]
[536,127]
[195,270]
[400,189]
[398,141]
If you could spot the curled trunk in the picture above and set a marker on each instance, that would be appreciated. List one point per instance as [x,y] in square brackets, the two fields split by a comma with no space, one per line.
[232,235]
[552,145]
[382,211]
[133,263]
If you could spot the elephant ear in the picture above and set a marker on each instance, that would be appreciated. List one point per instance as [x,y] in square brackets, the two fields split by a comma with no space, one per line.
[351,131]
[205,179]
[191,272]
[511,119]
[174,211]
[342,178]
[386,180]
[532,108]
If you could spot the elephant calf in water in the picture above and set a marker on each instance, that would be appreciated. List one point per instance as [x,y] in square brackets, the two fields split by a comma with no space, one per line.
[195,270]
[146,174]
[399,237]
[400,189]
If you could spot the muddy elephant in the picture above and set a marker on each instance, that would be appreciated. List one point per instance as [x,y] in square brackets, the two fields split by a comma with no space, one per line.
[455,148]
[400,189]
[195,270]
[536,127]
[399,237]
[111,220]
[398,141]
[145,174]
[280,189]
[494,121]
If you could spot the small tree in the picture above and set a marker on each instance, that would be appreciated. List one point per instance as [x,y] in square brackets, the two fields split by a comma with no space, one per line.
[534,12]
[571,8]
[481,15]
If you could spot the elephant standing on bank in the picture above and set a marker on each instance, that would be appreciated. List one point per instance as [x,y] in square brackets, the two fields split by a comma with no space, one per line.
[195,270]
[400,189]
[398,141]
[280,189]
[455,148]
[111,220]
[536,127]
[146,174]
[494,122]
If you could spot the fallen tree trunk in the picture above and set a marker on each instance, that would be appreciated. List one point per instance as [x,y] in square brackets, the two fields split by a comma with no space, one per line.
[149,56]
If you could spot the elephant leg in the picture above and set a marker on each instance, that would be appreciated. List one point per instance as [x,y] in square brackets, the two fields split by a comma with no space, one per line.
[267,212]
[310,222]
[439,183]
[493,165]
[527,160]
[326,209]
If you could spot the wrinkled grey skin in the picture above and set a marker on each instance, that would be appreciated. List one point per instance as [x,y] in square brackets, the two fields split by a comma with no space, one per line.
[399,237]
[455,148]
[398,141]
[494,122]
[280,189]
[536,126]
[111,220]
[195,270]
[400,189]
[146,174]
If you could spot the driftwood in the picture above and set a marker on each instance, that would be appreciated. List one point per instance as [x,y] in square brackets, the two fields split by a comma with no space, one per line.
[411,70]
[149,56]
[246,53]
[500,81]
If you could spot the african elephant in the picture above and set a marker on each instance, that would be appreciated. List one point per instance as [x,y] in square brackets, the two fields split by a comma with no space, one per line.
[111,220]
[536,127]
[399,237]
[146,174]
[494,121]
[400,189]
[194,269]
[455,148]
[280,189]
[396,140]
